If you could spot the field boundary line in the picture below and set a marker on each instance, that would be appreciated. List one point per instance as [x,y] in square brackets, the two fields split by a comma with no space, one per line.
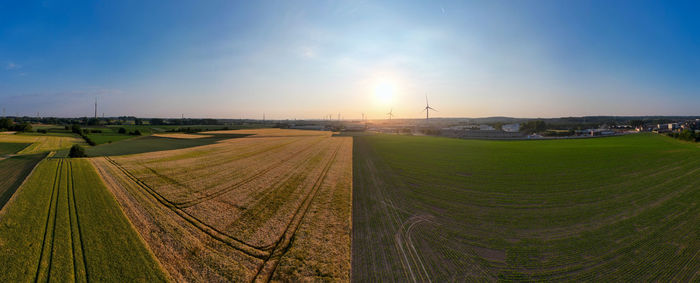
[56,182]
[80,231]
[226,239]
[268,266]
[70,226]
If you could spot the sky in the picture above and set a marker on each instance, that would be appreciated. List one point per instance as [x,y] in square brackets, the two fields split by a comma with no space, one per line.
[311,59]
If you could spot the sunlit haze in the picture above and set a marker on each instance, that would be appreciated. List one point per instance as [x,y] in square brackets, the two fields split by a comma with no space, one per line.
[309,60]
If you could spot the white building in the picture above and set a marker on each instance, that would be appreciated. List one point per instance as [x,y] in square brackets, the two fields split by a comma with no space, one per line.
[511,128]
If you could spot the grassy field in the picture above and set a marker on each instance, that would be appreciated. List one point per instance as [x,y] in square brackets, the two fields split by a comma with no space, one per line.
[11,147]
[272,205]
[13,171]
[64,225]
[40,142]
[107,135]
[608,209]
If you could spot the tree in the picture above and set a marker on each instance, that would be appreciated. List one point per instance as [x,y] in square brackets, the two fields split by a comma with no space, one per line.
[687,135]
[75,128]
[498,126]
[76,151]
[534,127]
[6,123]
[24,127]
[636,123]
[122,130]
[93,121]
[157,121]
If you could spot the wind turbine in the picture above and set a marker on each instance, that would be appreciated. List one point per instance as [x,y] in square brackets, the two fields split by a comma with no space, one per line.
[391,114]
[427,108]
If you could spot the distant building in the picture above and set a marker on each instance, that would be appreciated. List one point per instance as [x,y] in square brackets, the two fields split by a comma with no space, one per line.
[486,128]
[511,128]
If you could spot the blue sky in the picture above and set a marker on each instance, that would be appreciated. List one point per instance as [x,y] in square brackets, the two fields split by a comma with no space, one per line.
[298,59]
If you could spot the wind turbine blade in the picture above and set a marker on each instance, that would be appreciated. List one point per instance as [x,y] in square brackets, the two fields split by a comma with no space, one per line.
[431,108]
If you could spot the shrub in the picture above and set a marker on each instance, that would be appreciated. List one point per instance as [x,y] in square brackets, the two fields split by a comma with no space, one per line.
[43,131]
[76,129]
[76,151]
[122,130]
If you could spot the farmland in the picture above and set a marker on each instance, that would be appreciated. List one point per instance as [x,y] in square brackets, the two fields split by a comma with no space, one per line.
[11,147]
[13,171]
[64,225]
[436,209]
[269,204]
[159,142]
[40,142]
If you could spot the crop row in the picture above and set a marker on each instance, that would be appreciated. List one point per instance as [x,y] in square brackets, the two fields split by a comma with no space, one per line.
[63,225]
[288,173]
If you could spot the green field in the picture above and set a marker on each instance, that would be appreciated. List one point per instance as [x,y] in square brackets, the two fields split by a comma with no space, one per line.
[608,209]
[64,225]
[13,171]
[11,147]
[152,129]
[151,143]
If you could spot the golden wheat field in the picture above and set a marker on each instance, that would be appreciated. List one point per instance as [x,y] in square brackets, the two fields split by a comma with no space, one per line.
[273,205]
[41,143]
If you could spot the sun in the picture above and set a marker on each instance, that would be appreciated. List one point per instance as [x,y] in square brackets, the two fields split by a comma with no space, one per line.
[384,92]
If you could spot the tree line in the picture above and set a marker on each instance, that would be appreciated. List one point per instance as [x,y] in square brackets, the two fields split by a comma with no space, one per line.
[7,124]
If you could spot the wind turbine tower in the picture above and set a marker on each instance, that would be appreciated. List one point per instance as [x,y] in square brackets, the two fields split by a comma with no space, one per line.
[95,107]
[427,108]
[391,113]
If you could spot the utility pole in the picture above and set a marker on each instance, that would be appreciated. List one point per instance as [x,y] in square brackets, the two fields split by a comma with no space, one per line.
[95,107]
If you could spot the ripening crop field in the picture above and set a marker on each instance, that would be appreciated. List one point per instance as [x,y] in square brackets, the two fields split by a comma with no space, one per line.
[607,209]
[64,225]
[273,205]
[40,143]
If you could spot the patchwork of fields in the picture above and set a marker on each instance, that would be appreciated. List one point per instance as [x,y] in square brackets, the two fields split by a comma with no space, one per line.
[64,225]
[610,209]
[273,205]
[291,205]
[40,143]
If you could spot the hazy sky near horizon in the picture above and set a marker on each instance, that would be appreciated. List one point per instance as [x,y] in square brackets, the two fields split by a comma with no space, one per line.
[308,59]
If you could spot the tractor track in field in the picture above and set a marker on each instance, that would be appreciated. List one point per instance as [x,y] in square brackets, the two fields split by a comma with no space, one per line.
[260,252]
[207,229]
[268,266]
[193,202]
[52,204]
[77,224]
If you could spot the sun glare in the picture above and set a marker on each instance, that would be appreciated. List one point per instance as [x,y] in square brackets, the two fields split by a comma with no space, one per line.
[384,92]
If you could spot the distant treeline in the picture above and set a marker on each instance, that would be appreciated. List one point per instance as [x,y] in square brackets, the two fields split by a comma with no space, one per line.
[7,124]
[122,120]
[686,135]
